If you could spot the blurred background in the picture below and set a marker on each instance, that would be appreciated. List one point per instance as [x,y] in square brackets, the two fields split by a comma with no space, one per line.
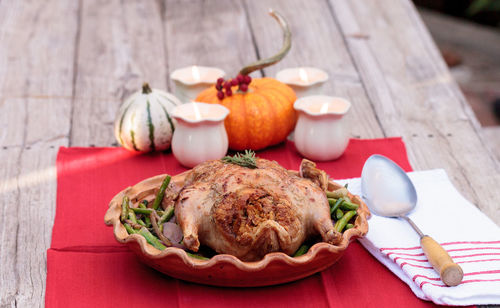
[468,34]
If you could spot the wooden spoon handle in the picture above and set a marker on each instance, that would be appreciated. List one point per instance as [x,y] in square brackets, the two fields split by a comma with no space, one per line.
[450,272]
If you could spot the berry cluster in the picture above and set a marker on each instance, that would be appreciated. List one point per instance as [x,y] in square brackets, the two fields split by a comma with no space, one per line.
[241,80]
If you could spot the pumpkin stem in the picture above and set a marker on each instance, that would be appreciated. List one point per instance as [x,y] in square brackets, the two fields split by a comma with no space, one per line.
[146,89]
[287,44]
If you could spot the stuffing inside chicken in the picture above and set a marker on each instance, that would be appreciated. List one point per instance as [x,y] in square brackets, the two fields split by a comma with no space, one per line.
[249,212]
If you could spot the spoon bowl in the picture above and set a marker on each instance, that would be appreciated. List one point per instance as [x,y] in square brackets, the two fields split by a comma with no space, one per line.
[387,188]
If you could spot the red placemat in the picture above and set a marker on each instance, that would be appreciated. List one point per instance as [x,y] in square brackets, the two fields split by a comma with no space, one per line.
[87,267]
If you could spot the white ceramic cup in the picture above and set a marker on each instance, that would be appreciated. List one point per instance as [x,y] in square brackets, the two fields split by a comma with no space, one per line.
[304,81]
[320,133]
[200,134]
[192,80]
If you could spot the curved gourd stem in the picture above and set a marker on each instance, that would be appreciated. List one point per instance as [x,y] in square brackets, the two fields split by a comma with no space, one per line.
[287,44]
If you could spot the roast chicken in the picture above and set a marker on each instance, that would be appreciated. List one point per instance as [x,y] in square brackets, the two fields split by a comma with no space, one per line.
[251,212]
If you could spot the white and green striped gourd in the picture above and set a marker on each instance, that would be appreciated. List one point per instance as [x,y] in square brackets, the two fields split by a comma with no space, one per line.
[143,122]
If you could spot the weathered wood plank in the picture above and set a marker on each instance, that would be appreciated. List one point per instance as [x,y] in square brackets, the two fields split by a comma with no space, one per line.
[210,33]
[120,46]
[478,74]
[36,188]
[34,40]
[407,81]
[9,277]
[317,42]
[36,68]
[491,135]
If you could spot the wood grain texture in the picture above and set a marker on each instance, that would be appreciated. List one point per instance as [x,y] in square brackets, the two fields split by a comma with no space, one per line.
[120,46]
[34,43]
[414,96]
[36,67]
[316,42]
[491,135]
[478,73]
[220,37]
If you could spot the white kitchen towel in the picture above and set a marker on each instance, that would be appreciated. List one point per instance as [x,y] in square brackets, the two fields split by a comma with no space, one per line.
[469,236]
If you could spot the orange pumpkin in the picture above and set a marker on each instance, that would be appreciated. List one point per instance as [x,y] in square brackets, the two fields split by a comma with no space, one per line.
[263,115]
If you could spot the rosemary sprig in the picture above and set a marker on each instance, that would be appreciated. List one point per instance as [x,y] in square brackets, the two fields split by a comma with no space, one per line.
[245,160]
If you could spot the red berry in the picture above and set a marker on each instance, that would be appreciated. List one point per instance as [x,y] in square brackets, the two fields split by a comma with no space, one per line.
[227,85]
[220,95]
[234,82]
[229,92]
[244,87]
[240,78]
[218,86]
[220,80]
[247,79]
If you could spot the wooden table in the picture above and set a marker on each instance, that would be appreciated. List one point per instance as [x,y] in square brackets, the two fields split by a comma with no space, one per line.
[65,67]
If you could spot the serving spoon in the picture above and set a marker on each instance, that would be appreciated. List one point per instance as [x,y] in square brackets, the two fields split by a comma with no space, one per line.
[388,191]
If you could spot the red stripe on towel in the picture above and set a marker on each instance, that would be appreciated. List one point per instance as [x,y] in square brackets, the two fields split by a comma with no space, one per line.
[453,257]
[465,281]
[472,242]
[466,274]
[426,277]
[445,243]
[414,265]
[459,262]
[483,272]
[477,254]
[401,248]
[410,259]
[473,261]
[448,250]
[406,254]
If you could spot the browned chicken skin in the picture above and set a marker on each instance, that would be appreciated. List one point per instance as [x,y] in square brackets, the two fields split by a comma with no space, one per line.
[251,212]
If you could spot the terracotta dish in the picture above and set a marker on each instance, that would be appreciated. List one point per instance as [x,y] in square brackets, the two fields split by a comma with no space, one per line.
[224,269]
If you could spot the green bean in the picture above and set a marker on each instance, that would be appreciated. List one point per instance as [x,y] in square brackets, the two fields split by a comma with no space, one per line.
[147,220]
[340,224]
[335,205]
[169,212]
[143,204]
[348,206]
[132,217]
[339,214]
[338,193]
[141,211]
[129,229]
[349,226]
[151,239]
[196,256]
[301,251]
[161,192]
[139,221]
[125,209]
